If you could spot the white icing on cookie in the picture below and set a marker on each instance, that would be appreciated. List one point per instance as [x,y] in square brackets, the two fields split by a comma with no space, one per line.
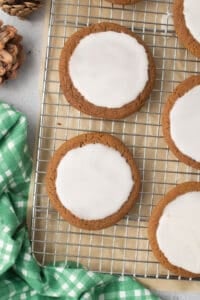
[191,11]
[109,69]
[178,232]
[185,123]
[93,181]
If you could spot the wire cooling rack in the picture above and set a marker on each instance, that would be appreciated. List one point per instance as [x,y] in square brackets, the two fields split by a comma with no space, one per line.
[123,248]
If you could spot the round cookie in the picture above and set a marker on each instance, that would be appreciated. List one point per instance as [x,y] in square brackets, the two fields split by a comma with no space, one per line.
[123,2]
[174,230]
[181,121]
[106,71]
[93,181]
[187,24]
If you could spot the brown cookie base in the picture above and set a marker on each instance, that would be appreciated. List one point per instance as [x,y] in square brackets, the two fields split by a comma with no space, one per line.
[182,31]
[154,221]
[180,90]
[79,141]
[123,2]
[73,95]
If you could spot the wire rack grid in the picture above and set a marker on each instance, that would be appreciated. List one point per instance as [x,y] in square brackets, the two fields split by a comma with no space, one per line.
[123,248]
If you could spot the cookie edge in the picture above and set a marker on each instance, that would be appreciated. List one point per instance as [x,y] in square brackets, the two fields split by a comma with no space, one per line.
[179,91]
[78,141]
[183,33]
[180,189]
[78,101]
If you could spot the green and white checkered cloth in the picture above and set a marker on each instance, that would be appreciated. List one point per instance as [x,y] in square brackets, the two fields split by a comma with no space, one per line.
[20,275]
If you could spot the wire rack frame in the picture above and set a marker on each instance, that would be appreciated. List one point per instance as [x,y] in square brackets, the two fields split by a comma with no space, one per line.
[123,248]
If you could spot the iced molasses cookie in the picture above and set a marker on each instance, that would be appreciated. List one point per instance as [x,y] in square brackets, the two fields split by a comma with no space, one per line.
[181,122]
[174,230]
[106,71]
[93,181]
[187,24]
